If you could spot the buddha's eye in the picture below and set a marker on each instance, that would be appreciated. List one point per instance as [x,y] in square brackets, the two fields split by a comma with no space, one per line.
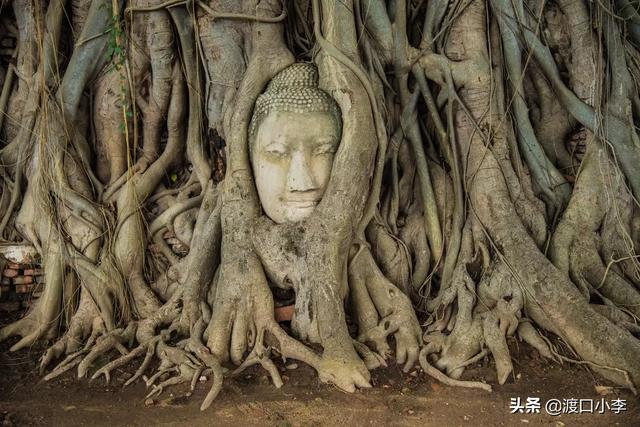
[324,149]
[276,151]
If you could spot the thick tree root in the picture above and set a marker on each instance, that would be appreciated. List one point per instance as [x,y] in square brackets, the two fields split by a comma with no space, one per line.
[383,310]
[438,375]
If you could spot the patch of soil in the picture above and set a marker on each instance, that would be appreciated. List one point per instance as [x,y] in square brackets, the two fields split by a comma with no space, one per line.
[250,400]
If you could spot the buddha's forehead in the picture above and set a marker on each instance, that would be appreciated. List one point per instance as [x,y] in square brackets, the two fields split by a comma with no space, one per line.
[298,128]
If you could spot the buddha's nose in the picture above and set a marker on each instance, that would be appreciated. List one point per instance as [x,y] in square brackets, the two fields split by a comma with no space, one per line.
[300,176]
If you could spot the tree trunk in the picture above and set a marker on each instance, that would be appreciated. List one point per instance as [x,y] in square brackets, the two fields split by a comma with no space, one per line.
[484,186]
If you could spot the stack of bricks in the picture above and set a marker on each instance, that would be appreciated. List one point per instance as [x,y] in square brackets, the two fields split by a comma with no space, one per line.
[20,285]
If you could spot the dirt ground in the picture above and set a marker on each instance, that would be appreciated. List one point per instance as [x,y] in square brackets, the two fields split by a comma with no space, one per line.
[396,399]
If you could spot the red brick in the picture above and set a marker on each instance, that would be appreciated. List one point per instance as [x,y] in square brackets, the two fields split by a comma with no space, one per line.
[283,314]
[9,272]
[22,289]
[23,280]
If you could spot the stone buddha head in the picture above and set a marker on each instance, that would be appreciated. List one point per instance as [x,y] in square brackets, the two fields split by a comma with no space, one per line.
[293,136]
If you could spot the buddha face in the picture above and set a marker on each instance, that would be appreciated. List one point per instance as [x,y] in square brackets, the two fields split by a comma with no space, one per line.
[292,157]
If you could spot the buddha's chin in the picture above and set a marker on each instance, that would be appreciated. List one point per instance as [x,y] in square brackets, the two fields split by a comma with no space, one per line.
[295,212]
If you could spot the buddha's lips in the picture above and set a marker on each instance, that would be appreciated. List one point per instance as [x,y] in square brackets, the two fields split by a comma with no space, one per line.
[301,203]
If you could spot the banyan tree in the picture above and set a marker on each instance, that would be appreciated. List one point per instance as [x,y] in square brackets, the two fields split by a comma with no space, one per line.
[422,180]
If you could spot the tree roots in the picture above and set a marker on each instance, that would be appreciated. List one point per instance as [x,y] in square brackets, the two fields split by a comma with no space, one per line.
[454,198]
